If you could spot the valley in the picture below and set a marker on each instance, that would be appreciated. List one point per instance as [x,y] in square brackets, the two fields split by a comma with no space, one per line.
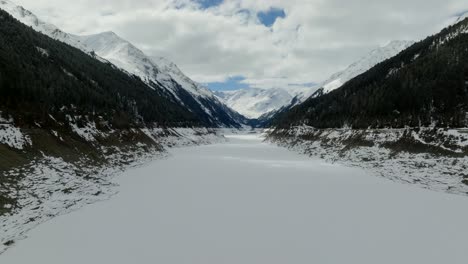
[242,152]
[245,201]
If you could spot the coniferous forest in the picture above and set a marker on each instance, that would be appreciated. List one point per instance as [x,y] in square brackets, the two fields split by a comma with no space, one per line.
[41,76]
[425,85]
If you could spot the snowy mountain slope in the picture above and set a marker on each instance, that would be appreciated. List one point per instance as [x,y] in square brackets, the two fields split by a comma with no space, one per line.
[254,103]
[423,86]
[160,71]
[125,55]
[360,66]
[170,69]
[340,78]
[166,76]
[365,63]
[258,103]
[28,18]
[461,18]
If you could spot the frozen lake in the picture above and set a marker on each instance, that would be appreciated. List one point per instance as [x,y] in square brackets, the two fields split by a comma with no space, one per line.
[250,202]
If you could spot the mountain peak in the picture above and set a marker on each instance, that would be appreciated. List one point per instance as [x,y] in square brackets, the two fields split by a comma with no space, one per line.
[105,37]
[28,18]
[255,102]
[109,35]
[461,17]
[397,43]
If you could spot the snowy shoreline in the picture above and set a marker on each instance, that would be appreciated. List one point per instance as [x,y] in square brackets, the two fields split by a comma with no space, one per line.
[434,159]
[245,201]
[49,186]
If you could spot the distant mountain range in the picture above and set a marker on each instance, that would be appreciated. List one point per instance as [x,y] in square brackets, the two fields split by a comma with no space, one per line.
[235,108]
[229,109]
[254,103]
[263,103]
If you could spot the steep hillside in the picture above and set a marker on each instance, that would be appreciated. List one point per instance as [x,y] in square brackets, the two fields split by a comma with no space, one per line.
[40,77]
[425,85]
[360,66]
[71,122]
[159,73]
[338,79]
[28,18]
[166,78]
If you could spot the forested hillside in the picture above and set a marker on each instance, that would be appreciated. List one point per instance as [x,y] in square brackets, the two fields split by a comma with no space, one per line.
[41,77]
[425,85]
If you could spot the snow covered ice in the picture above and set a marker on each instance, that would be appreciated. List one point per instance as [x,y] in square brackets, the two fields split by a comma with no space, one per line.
[246,201]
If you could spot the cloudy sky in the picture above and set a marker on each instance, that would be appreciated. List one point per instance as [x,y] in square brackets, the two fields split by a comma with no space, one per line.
[254,43]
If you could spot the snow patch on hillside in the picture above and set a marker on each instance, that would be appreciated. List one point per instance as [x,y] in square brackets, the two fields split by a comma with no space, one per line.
[43,52]
[12,136]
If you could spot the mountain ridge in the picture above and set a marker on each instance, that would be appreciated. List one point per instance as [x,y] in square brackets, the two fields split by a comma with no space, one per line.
[253,102]
[424,85]
[358,67]
[108,46]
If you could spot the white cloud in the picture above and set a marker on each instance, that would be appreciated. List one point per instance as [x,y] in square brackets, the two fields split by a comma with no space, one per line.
[315,39]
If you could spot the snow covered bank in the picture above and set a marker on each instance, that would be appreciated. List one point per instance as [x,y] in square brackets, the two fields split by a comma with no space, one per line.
[435,159]
[49,186]
[251,202]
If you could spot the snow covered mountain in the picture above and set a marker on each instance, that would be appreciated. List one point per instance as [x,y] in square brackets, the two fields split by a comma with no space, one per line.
[415,88]
[460,18]
[338,79]
[365,63]
[126,56]
[254,103]
[29,19]
[158,73]
[360,66]
[260,103]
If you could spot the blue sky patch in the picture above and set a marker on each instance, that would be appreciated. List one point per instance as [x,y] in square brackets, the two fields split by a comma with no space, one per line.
[269,17]
[233,83]
[209,3]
